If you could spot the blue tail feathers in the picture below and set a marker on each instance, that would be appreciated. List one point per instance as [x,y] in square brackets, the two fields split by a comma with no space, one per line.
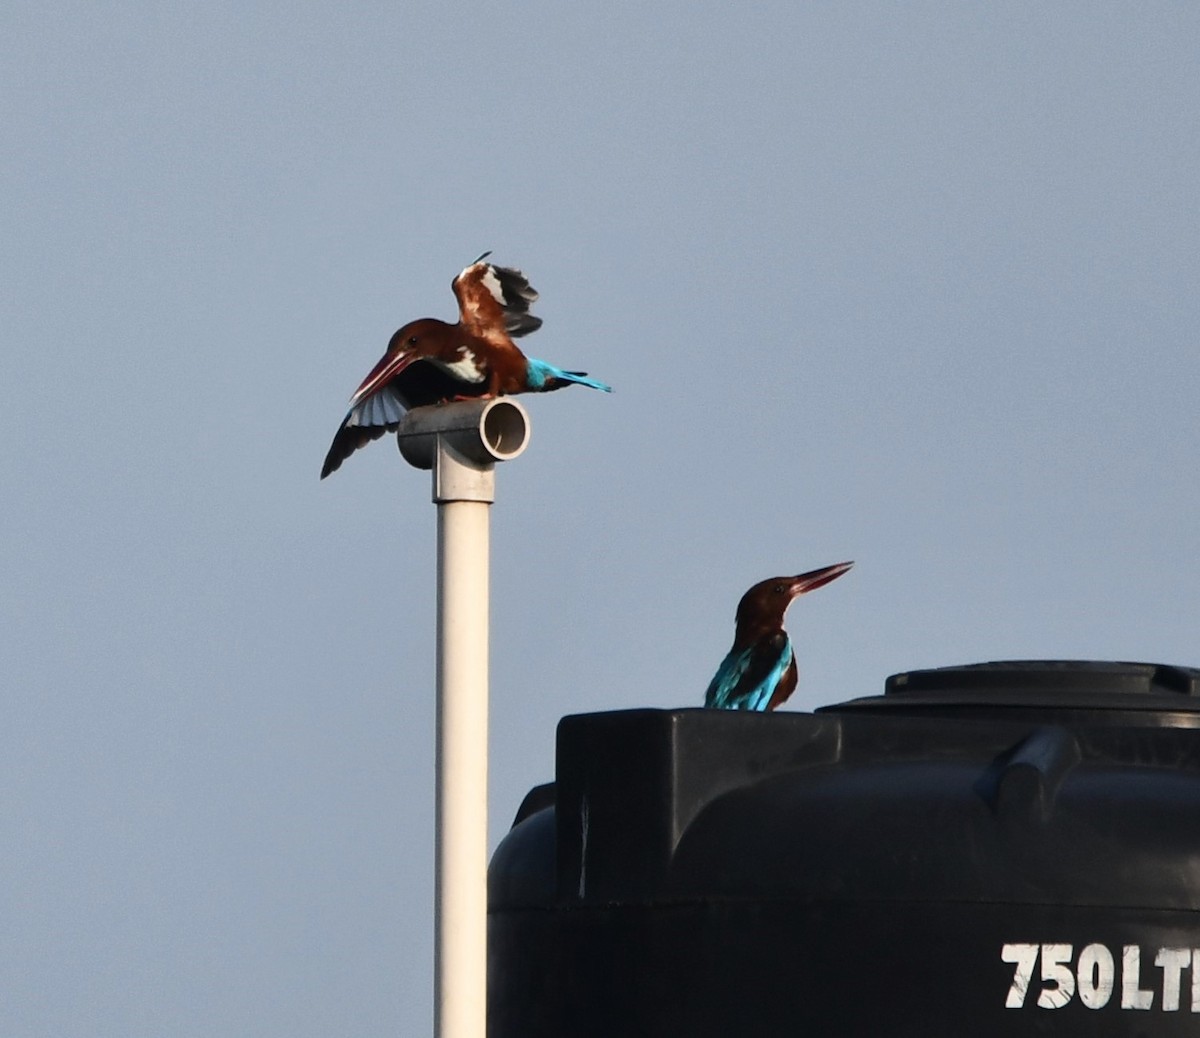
[545,377]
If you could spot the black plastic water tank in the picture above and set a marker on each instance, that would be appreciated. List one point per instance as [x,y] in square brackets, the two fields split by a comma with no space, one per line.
[1000,849]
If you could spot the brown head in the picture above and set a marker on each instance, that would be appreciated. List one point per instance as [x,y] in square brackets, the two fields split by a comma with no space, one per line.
[427,338]
[760,612]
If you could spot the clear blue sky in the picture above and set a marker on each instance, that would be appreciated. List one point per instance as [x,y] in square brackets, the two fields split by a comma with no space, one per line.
[914,285]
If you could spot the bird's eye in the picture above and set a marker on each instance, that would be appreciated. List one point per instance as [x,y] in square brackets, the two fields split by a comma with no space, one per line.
[779,589]
[412,341]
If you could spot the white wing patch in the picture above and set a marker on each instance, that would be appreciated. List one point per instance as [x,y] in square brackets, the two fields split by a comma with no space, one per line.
[465,369]
[492,284]
[382,408]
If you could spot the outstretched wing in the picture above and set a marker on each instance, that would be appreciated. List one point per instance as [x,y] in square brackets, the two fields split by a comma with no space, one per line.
[421,383]
[747,678]
[494,302]
[367,420]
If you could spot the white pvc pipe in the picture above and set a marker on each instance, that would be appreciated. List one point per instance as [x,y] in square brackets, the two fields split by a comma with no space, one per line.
[462,442]
[460,985]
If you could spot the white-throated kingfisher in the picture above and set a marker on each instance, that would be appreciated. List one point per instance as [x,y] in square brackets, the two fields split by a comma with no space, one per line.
[760,671]
[430,362]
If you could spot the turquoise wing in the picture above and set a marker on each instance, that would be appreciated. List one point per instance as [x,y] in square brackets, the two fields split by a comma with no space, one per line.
[747,678]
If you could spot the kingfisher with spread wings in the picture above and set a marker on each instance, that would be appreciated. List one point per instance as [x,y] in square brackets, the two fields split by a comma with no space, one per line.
[430,362]
[760,672]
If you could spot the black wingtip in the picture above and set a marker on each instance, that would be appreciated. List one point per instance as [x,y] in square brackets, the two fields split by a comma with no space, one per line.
[350,438]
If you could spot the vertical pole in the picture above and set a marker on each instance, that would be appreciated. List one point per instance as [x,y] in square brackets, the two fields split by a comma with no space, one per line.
[461,442]
[463,493]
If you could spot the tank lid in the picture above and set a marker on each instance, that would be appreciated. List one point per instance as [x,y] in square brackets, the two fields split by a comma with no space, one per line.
[1089,685]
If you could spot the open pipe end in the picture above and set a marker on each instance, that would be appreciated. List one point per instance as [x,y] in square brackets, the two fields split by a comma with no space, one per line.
[505,430]
[481,432]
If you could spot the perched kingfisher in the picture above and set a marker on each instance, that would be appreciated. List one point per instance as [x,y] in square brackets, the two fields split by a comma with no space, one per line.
[430,362]
[760,671]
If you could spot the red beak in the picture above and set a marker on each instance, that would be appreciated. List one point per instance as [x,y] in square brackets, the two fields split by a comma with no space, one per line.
[390,366]
[816,578]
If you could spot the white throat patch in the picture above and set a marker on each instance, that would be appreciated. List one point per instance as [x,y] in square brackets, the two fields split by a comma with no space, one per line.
[465,368]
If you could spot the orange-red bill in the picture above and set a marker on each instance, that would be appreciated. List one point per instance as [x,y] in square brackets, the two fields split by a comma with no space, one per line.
[816,578]
[388,367]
